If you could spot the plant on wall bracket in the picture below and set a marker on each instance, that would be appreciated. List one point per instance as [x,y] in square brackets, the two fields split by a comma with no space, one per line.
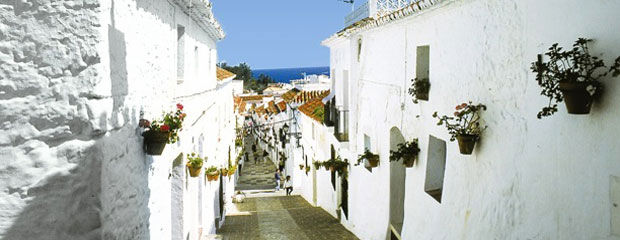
[317,164]
[162,132]
[419,89]
[572,76]
[194,164]
[408,151]
[371,159]
[465,126]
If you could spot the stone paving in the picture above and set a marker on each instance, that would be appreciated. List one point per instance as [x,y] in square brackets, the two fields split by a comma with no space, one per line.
[257,174]
[281,217]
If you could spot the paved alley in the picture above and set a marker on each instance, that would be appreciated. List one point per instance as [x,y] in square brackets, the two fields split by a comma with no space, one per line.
[281,218]
[256,174]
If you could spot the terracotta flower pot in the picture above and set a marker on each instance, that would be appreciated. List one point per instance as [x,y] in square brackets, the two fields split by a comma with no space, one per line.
[212,176]
[301,167]
[155,142]
[194,172]
[578,100]
[422,96]
[331,169]
[408,161]
[225,172]
[466,143]
[373,162]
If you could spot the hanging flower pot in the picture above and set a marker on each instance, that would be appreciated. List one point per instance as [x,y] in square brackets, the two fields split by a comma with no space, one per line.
[408,161]
[301,167]
[193,172]
[212,174]
[331,168]
[576,96]
[571,75]
[224,171]
[370,159]
[155,141]
[161,132]
[194,164]
[372,162]
[407,151]
[466,143]
[466,125]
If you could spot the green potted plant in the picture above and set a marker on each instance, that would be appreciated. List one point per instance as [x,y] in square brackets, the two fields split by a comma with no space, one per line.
[231,170]
[572,76]
[419,89]
[340,166]
[161,132]
[307,169]
[212,173]
[372,159]
[408,151]
[224,171]
[194,164]
[301,167]
[317,164]
[238,142]
[465,126]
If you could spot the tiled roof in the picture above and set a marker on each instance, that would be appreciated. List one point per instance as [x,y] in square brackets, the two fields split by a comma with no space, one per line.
[305,96]
[242,107]
[223,74]
[311,109]
[272,108]
[281,106]
[253,97]
[290,94]
[260,110]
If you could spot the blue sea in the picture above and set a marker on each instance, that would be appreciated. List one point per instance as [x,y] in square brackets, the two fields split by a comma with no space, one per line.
[284,75]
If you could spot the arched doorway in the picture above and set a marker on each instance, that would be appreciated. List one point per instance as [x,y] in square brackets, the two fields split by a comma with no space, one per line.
[397,188]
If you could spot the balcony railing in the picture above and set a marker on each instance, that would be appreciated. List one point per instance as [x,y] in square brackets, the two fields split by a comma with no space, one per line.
[387,6]
[341,128]
[361,12]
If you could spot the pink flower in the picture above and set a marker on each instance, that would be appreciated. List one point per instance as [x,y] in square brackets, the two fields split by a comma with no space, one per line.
[164,128]
[179,106]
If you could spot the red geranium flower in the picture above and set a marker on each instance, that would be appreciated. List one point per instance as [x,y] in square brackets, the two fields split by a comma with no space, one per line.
[164,128]
[179,106]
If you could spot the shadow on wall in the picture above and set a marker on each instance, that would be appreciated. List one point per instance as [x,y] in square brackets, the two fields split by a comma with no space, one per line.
[65,205]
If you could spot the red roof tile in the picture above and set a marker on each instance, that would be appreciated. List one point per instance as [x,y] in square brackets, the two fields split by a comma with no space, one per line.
[223,74]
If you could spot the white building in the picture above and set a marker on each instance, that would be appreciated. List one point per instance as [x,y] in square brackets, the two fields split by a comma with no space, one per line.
[555,178]
[75,79]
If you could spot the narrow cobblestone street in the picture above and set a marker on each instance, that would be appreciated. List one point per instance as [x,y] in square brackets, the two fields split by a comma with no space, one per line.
[281,218]
[257,172]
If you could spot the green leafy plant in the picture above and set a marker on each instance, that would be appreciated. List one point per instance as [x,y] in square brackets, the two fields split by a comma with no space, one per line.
[466,120]
[172,123]
[238,142]
[408,151]
[319,112]
[419,89]
[212,171]
[194,161]
[317,164]
[366,155]
[570,66]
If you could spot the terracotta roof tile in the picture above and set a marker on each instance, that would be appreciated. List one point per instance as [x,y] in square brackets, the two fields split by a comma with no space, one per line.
[281,106]
[313,109]
[223,74]
[290,94]
[242,107]
[305,96]
[272,108]
[253,97]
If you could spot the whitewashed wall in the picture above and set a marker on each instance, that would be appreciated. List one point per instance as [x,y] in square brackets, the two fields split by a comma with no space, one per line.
[75,77]
[527,178]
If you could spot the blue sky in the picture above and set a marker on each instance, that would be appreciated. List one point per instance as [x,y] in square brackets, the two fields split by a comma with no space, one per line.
[278,33]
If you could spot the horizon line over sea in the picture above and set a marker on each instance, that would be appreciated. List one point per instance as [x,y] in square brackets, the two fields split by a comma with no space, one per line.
[285,75]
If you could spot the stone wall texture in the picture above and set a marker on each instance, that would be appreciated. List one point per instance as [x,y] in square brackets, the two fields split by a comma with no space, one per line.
[48,144]
[75,78]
